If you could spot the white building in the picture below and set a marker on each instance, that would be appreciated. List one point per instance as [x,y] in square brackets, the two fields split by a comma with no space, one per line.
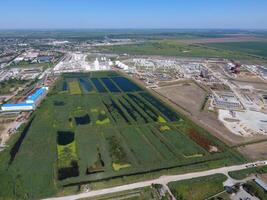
[18,107]
[122,65]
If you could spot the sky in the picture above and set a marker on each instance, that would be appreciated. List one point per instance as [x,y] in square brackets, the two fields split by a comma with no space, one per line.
[112,14]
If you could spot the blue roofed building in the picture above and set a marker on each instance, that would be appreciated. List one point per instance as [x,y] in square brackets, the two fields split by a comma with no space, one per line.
[38,94]
[30,104]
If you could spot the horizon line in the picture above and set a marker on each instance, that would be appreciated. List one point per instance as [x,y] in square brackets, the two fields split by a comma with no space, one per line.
[55,29]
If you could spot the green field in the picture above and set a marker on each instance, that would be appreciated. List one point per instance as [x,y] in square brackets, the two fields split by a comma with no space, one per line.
[242,174]
[11,85]
[180,49]
[258,49]
[74,87]
[101,135]
[198,188]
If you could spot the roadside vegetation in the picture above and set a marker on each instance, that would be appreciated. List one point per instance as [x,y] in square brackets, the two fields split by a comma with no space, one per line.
[138,194]
[198,188]
[242,174]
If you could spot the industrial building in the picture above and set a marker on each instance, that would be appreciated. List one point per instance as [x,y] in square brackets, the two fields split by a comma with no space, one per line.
[121,65]
[226,100]
[37,95]
[30,104]
[18,107]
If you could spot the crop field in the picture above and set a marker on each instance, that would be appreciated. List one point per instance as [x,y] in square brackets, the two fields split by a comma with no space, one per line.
[102,126]
[74,87]
[230,50]
[252,51]
[252,48]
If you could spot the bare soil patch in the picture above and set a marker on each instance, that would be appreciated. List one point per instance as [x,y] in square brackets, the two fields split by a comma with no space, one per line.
[203,142]
[188,95]
[257,151]
[257,85]
[248,76]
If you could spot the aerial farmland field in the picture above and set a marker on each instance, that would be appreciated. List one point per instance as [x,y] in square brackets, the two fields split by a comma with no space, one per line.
[253,48]
[99,126]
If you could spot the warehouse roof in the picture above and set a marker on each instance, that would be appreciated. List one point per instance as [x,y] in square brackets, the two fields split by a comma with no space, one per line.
[36,94]
[17,104]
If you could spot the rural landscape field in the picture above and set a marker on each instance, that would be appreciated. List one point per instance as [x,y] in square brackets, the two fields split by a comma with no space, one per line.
[224,48]
[101,126]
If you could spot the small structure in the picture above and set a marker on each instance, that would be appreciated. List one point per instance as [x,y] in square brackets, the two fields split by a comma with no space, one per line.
[96,64]
[204,73]
[121,65]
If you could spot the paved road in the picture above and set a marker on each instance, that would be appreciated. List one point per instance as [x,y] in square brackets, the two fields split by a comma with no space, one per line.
[164,180]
